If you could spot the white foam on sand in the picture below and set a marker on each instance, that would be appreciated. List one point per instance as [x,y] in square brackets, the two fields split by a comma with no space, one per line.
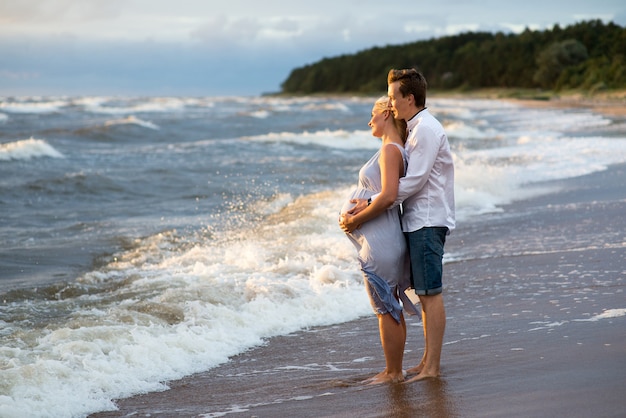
[607,314]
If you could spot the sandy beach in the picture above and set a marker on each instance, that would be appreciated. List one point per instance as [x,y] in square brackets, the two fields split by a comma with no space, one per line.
[611,103]
[535,328]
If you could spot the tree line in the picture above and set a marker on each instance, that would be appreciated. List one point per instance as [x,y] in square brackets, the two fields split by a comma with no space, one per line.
[589,55]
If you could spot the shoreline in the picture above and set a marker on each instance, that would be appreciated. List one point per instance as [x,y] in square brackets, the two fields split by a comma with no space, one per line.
[610,103]
[523,335]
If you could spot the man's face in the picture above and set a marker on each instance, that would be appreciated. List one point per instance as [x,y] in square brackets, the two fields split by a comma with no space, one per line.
[400,105]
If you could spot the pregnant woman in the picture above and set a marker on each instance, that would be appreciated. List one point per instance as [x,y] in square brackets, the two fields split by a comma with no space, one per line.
[376,233]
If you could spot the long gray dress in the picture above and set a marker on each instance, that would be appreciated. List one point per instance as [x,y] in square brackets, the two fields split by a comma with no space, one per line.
[381,246]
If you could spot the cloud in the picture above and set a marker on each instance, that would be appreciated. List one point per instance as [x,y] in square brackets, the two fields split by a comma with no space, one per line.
[233,47]
[54,11]
[223,29]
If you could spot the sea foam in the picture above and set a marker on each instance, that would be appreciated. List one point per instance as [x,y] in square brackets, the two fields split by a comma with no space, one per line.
[27,149]
[172,308]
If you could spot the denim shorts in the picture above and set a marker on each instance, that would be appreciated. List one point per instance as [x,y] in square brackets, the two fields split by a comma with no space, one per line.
[426,254]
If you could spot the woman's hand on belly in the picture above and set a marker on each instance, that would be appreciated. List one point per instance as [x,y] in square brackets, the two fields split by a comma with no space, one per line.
[346,223]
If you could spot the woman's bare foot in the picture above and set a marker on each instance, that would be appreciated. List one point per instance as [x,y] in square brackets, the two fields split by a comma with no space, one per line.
[416,370]
[421,376]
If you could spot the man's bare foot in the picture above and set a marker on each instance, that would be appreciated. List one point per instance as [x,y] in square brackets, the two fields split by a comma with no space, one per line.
[377,376]
[384,377]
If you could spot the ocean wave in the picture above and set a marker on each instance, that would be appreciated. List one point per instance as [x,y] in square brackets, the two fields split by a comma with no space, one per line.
[462,131]
[133,105]
[132,120]
[488,178]
[78,183]
[264,108]
[340,139]
[328,106]
[260,114]
[41,106]
[27,149]
[172,305]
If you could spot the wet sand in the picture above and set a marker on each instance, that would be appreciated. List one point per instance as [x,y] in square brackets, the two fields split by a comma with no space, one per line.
[522,339]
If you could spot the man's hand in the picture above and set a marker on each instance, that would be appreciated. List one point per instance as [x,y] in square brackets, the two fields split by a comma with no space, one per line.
[359,205]
[346,221]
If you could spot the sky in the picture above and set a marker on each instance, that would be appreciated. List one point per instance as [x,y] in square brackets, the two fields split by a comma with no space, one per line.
[233,47]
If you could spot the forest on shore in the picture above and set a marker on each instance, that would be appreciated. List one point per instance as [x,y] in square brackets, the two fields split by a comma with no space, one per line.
[587,56]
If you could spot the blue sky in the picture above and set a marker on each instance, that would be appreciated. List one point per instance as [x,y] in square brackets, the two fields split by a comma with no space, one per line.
[232,47]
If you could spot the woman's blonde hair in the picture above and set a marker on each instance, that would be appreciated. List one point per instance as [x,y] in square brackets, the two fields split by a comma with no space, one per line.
[383,104]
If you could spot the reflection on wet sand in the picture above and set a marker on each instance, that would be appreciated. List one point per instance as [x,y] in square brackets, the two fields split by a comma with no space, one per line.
[427,398]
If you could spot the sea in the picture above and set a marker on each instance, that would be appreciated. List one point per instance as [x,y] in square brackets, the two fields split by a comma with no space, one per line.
[145,239]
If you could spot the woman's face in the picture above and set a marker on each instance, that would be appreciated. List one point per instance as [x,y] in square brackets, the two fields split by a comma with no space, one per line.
[377,122]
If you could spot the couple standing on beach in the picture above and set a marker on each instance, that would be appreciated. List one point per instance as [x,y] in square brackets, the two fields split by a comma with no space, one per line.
[398,218]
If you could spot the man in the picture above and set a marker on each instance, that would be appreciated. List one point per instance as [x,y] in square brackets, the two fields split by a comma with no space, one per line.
[427,197]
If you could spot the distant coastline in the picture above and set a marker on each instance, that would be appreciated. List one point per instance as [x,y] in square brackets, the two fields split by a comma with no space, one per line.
[610,102]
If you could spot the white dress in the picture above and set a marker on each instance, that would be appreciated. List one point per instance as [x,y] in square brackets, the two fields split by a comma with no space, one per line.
[381,246]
